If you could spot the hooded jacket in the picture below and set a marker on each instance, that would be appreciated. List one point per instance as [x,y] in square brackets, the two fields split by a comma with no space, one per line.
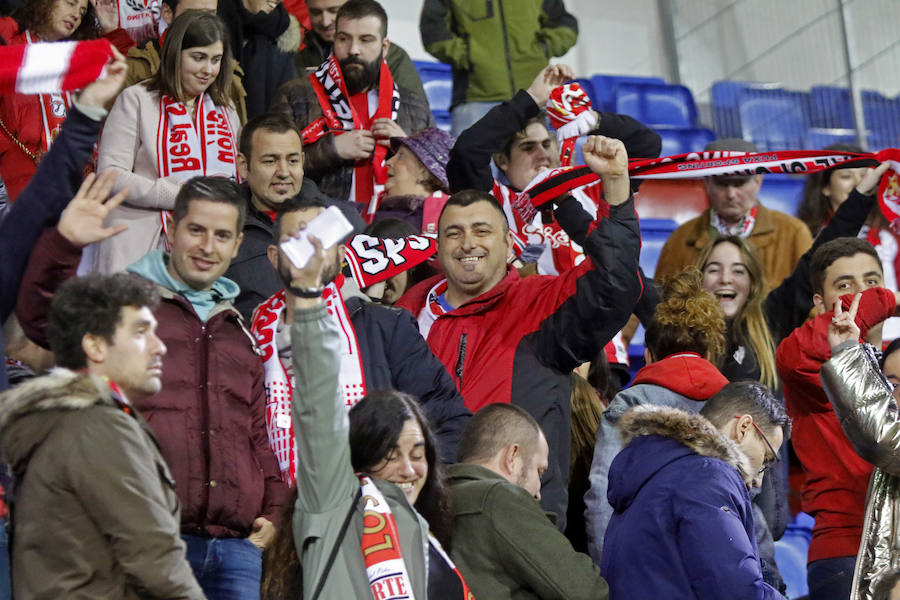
[96,514]
[683,525]
[210,417]
[684,381]
[865,407]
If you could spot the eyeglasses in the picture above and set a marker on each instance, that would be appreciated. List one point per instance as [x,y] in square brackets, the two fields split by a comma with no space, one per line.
[775,456]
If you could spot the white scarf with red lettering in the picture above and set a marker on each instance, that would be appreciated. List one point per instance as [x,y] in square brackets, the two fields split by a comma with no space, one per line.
[279,385]
[372,260]
[186,147]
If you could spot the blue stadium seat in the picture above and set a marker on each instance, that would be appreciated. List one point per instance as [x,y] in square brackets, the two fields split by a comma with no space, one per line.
[438,83]
[684,140]
[442,119]
[723,98]
[774,119]
[781,192]
[882,116]
[831,107]
[604,85]
[791,553]
[656,104]
[820,138]
[654,233]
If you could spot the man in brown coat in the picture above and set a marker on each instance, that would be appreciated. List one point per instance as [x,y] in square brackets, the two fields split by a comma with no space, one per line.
[95,514]
[734,209]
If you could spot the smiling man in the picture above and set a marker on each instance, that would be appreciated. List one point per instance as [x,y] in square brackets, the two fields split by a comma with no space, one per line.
[512,340]
[96,514]
[351,107]
[210,416]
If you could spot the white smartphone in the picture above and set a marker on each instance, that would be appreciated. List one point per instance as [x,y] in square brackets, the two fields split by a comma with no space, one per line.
[330,227]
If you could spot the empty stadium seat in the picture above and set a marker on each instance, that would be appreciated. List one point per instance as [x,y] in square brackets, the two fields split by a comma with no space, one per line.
[654,233]
[774,119]
[791,553]
[831,108]
[882,116]
[438,83]
[782,192]
[820,138]
[442,119]
[656,104]
[604,86]
[723,98]
[682,141]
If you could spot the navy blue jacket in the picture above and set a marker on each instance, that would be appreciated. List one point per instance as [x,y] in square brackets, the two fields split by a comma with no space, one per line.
[57,180]
[396,356]
[683,524]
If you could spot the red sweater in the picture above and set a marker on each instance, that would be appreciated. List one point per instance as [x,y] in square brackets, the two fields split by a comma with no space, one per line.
[836,477]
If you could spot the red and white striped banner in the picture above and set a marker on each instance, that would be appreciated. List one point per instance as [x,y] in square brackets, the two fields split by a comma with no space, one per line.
[52,67]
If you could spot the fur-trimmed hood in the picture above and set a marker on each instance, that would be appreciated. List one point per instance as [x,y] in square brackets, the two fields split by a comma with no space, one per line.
[648,433]
[29,412]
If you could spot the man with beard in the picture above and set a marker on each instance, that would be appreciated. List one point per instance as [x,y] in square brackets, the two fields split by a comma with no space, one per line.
[351,107]
[381,347]
[319,38]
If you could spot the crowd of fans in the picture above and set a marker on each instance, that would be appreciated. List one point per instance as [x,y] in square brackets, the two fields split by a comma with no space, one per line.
[434,406]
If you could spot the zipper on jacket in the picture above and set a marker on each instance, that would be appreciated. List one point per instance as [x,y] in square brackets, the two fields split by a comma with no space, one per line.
[461,358]
[512,81]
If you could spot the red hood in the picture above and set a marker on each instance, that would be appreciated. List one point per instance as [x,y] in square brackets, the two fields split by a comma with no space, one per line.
[685,373]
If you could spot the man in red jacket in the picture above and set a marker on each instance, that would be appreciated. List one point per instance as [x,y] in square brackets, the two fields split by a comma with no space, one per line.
[836,477]
[506,339]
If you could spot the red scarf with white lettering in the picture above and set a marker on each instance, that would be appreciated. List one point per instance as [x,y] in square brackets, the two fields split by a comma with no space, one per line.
[340,116]
[279,383]
[385,566]
[54,105]
[373,259]
[186,148]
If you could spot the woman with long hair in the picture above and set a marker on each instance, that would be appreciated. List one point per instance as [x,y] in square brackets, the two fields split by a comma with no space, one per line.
[370,489]
[161,132]
[29,123]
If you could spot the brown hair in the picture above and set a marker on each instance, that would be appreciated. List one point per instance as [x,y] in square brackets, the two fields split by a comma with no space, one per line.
[815,209]
[689,319]
[32,15]
[193,29]
[749,326]
[827,253]
[587,410]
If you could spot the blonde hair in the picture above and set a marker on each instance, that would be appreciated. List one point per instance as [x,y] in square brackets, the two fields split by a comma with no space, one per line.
[587,410]
[688,319]
[749,326]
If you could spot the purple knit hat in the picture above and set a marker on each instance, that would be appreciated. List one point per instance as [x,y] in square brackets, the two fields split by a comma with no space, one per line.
[432,148]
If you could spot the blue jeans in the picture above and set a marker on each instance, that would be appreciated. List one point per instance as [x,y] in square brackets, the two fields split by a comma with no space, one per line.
[464,115]
[830,578]
[226,568]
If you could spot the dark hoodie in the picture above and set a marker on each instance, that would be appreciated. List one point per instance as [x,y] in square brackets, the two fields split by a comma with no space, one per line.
[683,523]
[96,515]
[685,380]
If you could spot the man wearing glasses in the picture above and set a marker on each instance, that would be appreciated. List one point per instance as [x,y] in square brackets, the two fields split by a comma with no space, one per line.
[683,524]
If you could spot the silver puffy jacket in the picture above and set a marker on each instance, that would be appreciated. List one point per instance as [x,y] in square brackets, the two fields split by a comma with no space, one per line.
[862,399]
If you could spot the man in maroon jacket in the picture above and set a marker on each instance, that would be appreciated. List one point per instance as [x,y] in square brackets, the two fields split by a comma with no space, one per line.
[210,417]
[506,339]
[836,477]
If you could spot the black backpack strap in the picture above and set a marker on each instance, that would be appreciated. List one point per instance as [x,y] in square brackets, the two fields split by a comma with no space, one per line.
[337,545]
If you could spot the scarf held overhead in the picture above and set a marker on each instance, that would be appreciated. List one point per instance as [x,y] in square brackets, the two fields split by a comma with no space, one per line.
[340,116]
[52,67]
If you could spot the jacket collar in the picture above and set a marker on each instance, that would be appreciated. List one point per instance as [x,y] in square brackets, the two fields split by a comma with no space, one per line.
[687,374]
[414,300]
[61,389]
[690,430]
[764,225]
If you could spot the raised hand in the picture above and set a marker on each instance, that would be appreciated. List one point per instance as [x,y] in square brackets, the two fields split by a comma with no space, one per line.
[107,12]
[843,324]
[550,77]
[870,181]
[103,91]
[82,221]
[607,158]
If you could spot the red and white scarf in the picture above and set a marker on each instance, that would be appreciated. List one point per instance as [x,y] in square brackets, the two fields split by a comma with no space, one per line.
[569,109]
[52,67]
[279,380]
[385,566]
[139,18]
[372,260]
[742,229]
[340,116]
[186,148]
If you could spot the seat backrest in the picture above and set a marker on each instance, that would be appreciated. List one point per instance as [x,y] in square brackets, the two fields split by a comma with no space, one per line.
[882,116]
[774,119]
[783,193]
[831,107]
[723,98]
[604,85]
[684,140]
[656,104]
[677,199]
[437,80]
